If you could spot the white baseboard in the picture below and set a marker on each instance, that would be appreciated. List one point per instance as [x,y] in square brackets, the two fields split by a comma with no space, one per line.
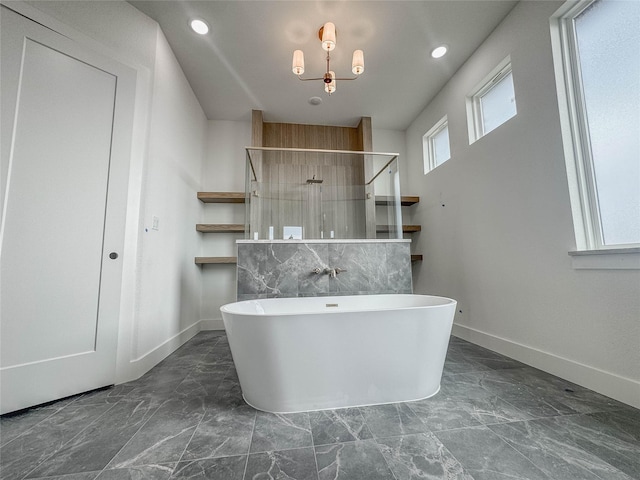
[623,389]
[211,324]
[141,365]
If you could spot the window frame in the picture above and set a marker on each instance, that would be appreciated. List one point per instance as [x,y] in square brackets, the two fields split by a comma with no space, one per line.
[474,99]
[428,144]
[575,134]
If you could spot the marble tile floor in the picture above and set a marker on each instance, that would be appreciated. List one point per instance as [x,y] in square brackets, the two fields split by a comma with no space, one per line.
[494,418]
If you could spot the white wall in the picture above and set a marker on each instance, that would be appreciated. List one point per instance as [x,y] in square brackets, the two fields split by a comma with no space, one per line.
[222,171]
[169,282]
[497,227]
[393,141]
[161,292]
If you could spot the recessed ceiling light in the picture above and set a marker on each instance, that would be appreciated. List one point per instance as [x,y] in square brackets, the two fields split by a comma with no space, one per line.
[199,26]
[315,100]
[439,51]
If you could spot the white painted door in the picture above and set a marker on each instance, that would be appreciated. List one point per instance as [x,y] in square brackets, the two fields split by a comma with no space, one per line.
[64,163]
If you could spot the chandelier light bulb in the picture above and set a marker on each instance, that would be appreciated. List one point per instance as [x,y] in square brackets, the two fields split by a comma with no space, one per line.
[329,36]
[357,64]
[331,86]
[297,65]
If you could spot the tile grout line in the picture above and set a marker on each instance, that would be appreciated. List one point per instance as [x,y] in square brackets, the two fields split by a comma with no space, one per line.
[55,412]
[205,410]
[188,372]
[464,468]
[386,462]
[30,428]
[190,439]
[70,440]
[253,429]
[130,438]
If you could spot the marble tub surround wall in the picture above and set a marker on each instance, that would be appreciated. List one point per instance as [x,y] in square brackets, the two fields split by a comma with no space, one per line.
[284,268]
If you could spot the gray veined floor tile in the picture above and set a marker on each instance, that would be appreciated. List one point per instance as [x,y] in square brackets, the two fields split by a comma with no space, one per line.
[531,400]
[75,476]
[338,426]
[162,375]
[220,355]
[421,457]
[48,437]
[360,460]
[144,472]
[222,468]
[469,350]
[164,437]
[498,363]
[297,464]
[626,421]
[111,394]
[485,456]
[392,419]
[462,386]
[96,445]
[281,432]
[185,361]
[464,393]
[228,394]
[578,399]
[599,437]
[202,381]
[554,453]
[222,432]
[206,338]
[452,367]
[441,413]
[160,386]
[14,425]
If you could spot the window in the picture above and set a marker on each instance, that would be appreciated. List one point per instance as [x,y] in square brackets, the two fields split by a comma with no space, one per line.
[435,145]
[492,103]
[598,73]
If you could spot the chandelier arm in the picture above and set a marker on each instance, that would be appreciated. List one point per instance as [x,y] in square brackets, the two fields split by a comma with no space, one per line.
[341,79]
[307,79]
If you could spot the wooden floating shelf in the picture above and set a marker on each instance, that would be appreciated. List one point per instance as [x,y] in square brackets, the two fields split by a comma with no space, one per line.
[405,228]
[220,227]
[234,260]
[221,197]
[216,260]
[405,200]
[239,197]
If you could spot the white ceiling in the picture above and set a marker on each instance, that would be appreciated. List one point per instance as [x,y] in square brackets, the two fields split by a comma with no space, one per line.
[244,63]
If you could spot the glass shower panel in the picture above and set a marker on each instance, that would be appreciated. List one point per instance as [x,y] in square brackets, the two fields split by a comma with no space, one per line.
[323,194]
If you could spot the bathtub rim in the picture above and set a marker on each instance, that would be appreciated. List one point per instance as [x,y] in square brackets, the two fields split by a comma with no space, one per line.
[226,308]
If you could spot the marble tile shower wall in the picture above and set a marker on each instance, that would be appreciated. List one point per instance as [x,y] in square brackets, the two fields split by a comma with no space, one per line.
[270,270]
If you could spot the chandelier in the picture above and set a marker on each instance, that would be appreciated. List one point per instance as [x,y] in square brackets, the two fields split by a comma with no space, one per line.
[327,35]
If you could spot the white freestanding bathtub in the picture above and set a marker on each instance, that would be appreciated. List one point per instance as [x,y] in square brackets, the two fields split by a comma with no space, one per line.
[315,353]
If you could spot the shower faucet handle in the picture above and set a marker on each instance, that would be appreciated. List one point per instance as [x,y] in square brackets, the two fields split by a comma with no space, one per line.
[333,272]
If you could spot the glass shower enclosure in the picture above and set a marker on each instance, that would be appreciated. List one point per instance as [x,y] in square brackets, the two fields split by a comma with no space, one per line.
[296,194]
